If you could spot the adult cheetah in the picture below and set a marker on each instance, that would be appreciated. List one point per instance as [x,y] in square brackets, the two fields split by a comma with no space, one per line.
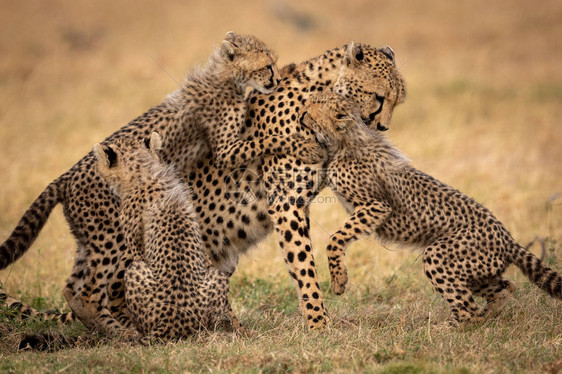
[237,207]
[172,289]
[467,249]
[201,117]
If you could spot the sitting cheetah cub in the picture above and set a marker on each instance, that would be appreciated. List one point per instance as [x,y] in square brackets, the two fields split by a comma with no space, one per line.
[203,120]
[467,249]
[171,288]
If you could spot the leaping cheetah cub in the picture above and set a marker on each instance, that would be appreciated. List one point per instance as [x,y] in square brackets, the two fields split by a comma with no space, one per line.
[467,249]
[172,290]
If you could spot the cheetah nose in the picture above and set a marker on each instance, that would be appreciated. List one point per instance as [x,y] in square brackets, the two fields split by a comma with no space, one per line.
[381,127]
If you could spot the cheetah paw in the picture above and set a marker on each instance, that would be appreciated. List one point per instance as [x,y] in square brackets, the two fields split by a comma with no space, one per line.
[131,335]
[319,322]
[339,281]
[311,152]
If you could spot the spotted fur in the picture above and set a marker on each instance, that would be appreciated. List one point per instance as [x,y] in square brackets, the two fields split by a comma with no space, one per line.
[467,249]
[236,207]
[202,118]
[172,290]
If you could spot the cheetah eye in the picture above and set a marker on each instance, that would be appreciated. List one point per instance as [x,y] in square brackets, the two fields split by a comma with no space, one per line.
[340,116]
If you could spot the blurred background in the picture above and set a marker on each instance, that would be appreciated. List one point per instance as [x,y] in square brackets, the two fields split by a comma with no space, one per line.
[483,111]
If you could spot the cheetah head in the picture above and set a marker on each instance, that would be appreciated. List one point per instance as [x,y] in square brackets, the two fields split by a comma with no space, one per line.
[330,116]
[252,63]
[369,77]
[119,167]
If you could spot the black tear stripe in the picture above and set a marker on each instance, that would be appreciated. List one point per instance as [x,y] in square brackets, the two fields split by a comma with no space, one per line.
[381,100]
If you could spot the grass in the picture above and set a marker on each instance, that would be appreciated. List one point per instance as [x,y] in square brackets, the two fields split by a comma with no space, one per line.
[483,114]
[399,328]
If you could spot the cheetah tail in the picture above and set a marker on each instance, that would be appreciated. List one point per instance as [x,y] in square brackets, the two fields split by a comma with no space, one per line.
[54,341]
[31,223]
[543,276]
[23,312]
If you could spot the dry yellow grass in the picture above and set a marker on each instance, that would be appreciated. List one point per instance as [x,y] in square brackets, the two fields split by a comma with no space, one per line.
[483,114]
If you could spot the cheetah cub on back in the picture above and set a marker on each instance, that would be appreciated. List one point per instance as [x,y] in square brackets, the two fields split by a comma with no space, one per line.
[171,288]
[467,249]
[212,99]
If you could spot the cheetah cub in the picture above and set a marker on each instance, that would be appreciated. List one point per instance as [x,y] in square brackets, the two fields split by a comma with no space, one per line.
[213,107]
[467,249]
[171,288]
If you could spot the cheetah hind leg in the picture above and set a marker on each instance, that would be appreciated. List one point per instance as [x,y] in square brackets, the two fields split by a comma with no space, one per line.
[456,293]
[116,287]
[90,302]
[139,295]
[460,299]
[496,295]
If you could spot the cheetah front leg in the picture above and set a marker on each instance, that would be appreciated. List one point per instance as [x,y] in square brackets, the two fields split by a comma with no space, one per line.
[363,221]
[230,151]
[238,152]
[289,191]
[216,288]
[292,230]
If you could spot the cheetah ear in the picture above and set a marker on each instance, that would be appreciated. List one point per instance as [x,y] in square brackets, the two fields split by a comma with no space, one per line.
[105,155]
[287,69]
[230,36]
[228,50]
[155,142]
[388,52]
[345,124]
[353,54]
[99,153]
